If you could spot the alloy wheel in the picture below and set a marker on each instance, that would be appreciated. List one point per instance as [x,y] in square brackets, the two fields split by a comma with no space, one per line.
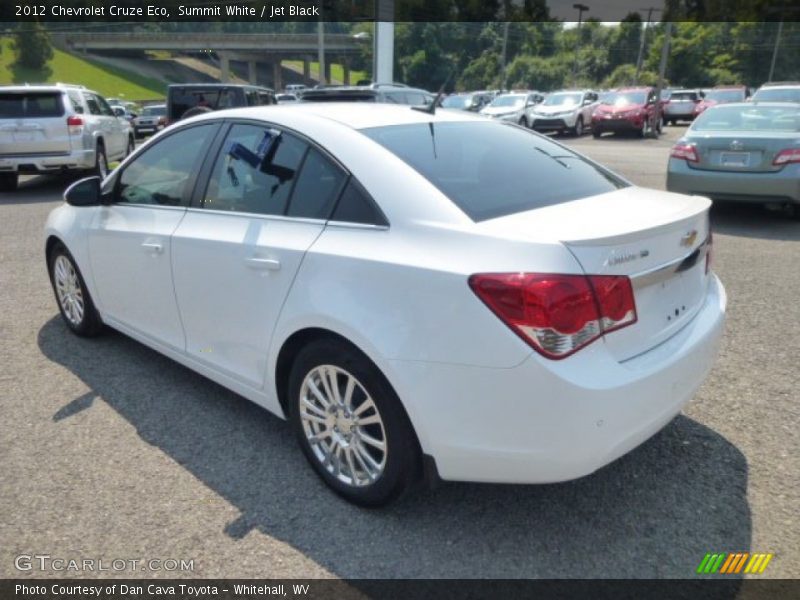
[342,425]
[68,289]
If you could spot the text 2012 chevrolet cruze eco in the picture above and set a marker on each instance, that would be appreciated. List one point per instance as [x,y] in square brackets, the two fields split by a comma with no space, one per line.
[413,291]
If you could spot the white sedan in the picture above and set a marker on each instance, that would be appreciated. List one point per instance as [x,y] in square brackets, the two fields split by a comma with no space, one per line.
[419,294]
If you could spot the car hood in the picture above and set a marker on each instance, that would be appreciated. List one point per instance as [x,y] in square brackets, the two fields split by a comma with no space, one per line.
[500,110]
[552,110]
[615,109]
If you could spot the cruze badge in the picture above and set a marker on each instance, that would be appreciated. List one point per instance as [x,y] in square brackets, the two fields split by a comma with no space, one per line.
[623,256]
[689,238]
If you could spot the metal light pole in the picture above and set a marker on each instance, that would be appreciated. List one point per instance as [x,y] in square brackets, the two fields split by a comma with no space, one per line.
[321,47]
[775,50]
[581,8]
[640,58]
[662,70]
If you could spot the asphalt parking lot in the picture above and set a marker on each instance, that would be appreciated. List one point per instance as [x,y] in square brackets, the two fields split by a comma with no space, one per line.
[110,451]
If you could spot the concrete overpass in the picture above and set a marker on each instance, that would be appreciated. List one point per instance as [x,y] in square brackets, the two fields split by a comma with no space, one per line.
[246,47]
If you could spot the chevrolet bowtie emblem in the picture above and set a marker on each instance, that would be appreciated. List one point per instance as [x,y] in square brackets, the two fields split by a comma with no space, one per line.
[689,238]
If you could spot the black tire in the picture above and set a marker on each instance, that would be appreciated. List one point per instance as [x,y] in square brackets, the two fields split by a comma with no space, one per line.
[90,324]
[402,462]
[596,133]
[523,122]
[130,148]
[577,131]
[8,182]
[100,169]
[195,110]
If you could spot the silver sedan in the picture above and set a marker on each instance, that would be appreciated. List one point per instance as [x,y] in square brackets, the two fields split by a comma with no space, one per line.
[744,151]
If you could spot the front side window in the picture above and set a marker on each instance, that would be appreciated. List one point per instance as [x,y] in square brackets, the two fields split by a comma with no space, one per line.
[105,109]
[255,171]
[490,169]
[164,173]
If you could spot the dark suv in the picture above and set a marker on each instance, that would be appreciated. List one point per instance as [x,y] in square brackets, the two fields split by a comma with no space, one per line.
[391,93]
[189,99]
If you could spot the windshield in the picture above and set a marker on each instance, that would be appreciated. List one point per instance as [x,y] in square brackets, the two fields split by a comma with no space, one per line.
[154,111]
[491,169]
[457,102]
[749,118]
[562,100]
[508,100]
[625,98]
[778,95]
[725,95]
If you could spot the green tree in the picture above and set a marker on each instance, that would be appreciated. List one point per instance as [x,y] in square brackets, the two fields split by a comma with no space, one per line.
[32,46]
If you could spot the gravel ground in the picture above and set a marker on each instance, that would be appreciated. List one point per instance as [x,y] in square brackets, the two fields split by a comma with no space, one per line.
[110,451]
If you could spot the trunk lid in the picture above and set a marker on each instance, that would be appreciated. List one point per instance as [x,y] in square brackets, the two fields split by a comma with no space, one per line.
[658,239]
[33,123]
[741,153]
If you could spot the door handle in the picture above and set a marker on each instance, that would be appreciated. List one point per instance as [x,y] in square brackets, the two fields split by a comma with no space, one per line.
[269,264]
[153,247]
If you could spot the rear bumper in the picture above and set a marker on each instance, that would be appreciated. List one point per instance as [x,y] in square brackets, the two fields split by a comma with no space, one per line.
[781,186]
[547,421]
[47,163]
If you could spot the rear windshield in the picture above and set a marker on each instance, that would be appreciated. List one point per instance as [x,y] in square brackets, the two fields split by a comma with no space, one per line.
[367,96]
[725,95]
[683,96]
[490,169]
[31,104]
[152,111]
[182,99]
[778,95]
[749,118]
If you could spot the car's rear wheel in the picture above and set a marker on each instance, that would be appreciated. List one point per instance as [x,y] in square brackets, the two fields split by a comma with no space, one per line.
[74,301]
[131,146]
[351,425]
[596,133]
[523,121]
[8,182]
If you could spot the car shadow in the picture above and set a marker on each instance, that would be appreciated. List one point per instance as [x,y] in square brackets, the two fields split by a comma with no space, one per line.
[654,513]
[39,189]
[744,219]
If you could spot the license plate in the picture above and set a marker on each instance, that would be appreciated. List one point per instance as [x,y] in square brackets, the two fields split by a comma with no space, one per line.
[23,137]
[735,159]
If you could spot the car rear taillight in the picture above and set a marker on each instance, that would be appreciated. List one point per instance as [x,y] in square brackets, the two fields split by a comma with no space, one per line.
[557,315]
[685,151]
[784,157]
[75,125]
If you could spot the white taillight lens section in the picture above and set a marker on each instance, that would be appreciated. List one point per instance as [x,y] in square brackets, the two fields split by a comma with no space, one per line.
[557,314]
[784,157]
[684,151]
[75,125]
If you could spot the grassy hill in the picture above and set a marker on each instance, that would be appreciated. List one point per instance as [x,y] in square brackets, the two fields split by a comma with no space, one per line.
[70,68]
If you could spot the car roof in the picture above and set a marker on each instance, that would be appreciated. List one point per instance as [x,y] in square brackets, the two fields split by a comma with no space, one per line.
[52,87]
[355,115]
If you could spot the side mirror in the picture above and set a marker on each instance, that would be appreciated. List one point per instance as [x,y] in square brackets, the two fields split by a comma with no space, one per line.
[85,192]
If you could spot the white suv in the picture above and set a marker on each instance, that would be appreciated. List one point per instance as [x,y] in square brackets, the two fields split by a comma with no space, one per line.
[58,128]
[567,110]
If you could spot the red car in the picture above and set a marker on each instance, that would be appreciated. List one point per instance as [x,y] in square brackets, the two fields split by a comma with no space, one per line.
[722,94]
[628,109]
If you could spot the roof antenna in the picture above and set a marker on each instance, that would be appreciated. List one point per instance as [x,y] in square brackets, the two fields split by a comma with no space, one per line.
[431,108]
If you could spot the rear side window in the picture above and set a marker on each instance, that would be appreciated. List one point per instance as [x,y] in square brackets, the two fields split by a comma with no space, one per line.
[31,104]
[254,171]
[317,187]
[182,99]
[491,169]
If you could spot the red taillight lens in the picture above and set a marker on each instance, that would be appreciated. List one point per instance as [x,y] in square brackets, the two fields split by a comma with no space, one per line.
[557,314]
[75,125]
[684,151]
[784,157]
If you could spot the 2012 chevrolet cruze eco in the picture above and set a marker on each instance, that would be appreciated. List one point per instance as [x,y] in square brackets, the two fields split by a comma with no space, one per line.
[415,292]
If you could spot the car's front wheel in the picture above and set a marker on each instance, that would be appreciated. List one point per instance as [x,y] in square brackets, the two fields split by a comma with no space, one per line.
[578,129]
[74,301]
[100,162]
[351,425]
